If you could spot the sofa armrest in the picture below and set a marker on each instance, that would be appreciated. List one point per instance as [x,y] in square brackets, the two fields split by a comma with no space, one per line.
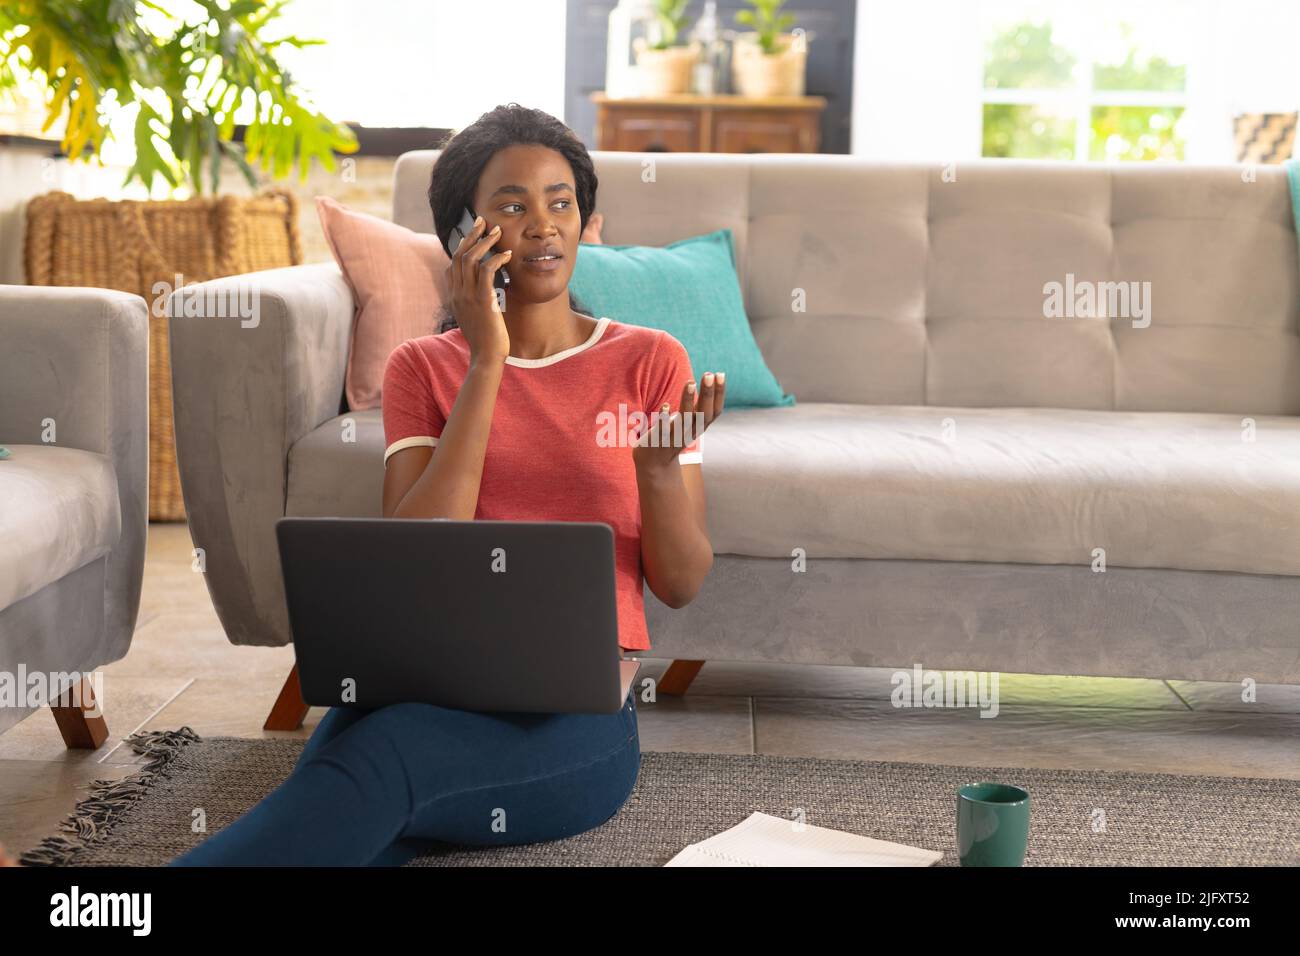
[80,357]
[257,361]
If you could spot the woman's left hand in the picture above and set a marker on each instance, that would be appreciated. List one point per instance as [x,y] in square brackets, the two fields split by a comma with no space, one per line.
[683,427]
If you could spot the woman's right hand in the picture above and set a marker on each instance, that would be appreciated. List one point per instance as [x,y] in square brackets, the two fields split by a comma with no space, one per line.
[474,297]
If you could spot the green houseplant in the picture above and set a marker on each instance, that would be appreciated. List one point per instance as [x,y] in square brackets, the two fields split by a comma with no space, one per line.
[769,61]
[187,76]
[670,15]
[768,22]
[664,63]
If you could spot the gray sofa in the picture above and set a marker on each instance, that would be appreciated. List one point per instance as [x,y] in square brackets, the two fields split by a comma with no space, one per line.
[960,465]
[73,511]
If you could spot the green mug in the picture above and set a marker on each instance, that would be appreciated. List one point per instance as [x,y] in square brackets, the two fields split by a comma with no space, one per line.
[992,824]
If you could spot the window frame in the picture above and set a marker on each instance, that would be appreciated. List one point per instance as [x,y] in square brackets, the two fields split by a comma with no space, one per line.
[1078,101]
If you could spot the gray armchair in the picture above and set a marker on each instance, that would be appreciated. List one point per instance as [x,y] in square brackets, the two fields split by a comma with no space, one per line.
[74,391]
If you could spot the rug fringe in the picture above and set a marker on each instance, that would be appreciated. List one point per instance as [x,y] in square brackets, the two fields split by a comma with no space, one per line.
[93,816]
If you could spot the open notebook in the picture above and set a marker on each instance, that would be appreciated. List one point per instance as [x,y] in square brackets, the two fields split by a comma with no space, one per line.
[765,840]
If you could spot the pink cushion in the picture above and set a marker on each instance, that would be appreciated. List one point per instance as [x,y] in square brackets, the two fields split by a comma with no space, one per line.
[399,282]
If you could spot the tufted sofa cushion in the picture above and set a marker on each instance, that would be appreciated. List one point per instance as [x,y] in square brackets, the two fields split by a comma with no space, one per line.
[923,284]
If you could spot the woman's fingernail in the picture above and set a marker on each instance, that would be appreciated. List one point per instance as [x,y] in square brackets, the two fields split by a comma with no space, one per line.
[708,379]
[690,388]
[478,221]
[722,377]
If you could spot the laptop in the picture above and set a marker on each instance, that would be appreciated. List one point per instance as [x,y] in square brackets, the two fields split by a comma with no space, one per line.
[516,616]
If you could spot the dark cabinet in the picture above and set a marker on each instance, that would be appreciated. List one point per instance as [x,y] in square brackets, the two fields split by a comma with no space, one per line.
[709,124]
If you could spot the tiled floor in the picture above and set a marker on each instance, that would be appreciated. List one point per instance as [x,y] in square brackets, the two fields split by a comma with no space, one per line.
[182,670]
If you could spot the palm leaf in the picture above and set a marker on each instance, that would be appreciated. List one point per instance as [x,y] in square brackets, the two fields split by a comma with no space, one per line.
[81,49]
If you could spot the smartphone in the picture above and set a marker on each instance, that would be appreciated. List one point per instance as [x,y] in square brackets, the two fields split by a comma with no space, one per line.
[458,234]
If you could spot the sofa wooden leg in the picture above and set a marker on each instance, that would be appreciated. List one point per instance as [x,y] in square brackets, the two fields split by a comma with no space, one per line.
[80,720]
[290,709]
[678,677]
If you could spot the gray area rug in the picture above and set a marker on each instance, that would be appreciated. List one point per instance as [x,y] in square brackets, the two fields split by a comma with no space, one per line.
[683,798]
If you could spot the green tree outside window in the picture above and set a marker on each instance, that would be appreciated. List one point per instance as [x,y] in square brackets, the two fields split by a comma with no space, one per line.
[1026,57]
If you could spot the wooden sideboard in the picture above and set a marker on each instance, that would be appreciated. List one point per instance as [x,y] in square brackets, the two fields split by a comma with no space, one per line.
[709,124]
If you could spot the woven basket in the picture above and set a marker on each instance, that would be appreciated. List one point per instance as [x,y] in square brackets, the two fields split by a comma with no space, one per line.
[131,246]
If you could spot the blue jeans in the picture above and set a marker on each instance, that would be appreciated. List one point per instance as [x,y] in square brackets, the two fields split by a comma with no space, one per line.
[377,787]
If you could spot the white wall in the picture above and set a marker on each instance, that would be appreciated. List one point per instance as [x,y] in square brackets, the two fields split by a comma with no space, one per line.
[25,172]
[916,80]
[429,62]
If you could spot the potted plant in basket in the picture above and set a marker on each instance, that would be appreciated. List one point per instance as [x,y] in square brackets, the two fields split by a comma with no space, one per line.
[188,75]
[664,64]
[769,61]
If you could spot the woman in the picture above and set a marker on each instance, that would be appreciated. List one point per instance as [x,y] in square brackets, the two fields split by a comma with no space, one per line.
[497,418]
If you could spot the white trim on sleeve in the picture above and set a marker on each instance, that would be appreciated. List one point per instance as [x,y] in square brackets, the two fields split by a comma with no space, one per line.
[408,443]
[691,457]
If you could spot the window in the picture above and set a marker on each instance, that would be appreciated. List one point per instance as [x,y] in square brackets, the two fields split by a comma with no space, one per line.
[1102,83]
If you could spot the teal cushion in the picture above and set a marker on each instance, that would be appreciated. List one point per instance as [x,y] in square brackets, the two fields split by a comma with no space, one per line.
[689,289]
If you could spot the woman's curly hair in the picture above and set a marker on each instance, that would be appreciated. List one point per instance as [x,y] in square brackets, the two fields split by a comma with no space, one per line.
[465,154]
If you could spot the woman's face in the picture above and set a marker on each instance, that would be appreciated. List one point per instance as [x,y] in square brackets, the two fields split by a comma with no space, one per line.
[528,191]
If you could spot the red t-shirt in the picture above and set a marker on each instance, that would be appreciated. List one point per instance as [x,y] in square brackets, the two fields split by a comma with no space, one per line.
[558,449]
